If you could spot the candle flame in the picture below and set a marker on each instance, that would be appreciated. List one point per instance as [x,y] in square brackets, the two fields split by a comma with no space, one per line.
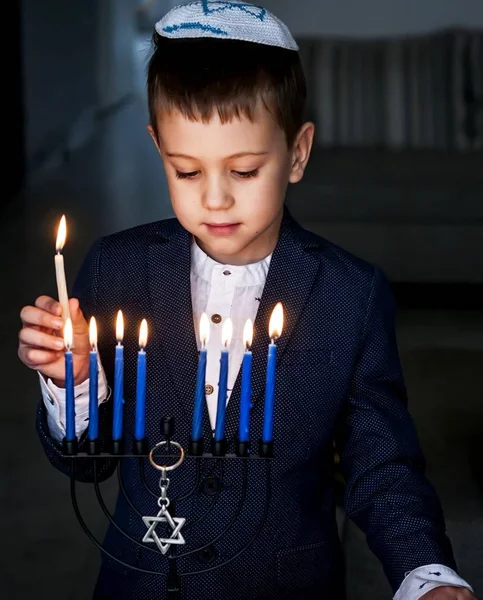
[119,327]
[227,332]
[68,334]
[61,234]
[248,334]
[204,329]
[276,322]
[93,333]
[143,334]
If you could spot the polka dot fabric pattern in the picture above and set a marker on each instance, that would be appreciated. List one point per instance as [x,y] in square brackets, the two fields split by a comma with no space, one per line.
[338,377]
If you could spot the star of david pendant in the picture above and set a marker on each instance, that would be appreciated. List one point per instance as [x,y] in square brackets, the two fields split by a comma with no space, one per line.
[164,516]
[175,523]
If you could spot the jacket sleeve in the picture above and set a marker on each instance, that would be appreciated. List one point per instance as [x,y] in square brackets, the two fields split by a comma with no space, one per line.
[386,492]
[86,290]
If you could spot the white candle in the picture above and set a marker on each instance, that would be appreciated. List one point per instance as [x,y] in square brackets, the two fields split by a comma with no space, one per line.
[60,270]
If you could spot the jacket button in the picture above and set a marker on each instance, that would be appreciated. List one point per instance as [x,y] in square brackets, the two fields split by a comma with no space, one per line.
[211,486]
[216,318]
[209,389]
[207,555]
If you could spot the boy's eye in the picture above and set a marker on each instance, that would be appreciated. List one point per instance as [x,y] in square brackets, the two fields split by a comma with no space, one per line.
[190,175]
[246,174]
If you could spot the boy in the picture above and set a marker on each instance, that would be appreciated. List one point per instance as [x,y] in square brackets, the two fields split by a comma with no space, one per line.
[226,98]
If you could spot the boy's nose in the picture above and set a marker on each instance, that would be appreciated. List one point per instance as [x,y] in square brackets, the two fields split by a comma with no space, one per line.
[216,196]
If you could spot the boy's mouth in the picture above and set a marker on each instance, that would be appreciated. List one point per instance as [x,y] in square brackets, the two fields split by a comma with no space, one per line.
[222,228]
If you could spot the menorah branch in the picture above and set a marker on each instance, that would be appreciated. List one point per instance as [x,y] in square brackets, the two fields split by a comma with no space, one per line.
[166,515]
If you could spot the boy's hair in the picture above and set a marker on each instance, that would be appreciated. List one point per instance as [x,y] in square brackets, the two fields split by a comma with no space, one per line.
[198,76]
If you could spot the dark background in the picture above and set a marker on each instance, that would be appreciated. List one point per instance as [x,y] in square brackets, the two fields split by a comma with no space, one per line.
[396,177]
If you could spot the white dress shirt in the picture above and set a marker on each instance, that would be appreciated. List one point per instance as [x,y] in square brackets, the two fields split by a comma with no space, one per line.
[54,400]
[222,291]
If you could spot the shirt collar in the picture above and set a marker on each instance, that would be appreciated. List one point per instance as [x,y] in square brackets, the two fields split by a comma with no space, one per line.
[242,275]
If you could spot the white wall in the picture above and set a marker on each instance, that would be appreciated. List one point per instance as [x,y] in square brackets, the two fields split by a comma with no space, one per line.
[375,18]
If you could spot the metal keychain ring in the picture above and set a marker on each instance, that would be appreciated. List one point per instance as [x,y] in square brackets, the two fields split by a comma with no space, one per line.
[172,467]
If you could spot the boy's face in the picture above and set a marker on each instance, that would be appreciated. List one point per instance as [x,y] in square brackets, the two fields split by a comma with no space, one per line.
[227,182]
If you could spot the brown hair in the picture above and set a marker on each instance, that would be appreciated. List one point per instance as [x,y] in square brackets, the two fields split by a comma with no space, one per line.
[202,75]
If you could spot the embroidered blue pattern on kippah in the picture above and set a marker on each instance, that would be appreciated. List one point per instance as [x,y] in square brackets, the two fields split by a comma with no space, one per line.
[217,30]
[228,20]
[251,9]
[258,12]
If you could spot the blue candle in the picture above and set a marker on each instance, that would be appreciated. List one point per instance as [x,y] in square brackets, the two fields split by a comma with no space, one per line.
[197,427]
[140,425]
[69,382]
[222,393]
[276,324]
[246,390]
[118,380]
[93,433]
[93,397]
[223,382]
[200,395]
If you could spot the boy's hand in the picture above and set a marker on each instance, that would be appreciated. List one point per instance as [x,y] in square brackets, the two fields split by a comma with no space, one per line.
[41,343]
[448,592]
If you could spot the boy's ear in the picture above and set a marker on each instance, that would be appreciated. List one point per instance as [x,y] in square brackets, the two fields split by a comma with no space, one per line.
[301,151]
[153,137]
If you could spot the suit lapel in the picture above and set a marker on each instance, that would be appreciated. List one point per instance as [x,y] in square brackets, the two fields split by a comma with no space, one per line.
[170,290]
[292,256]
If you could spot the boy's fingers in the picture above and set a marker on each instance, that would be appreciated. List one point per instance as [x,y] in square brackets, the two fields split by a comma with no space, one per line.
[32,315]
[79,323]
[74,304]
[76,313]
[34,358]
[34,337]
[49,304]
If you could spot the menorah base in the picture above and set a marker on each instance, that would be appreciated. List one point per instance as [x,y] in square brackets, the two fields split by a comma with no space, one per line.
[171,546]
[173,584]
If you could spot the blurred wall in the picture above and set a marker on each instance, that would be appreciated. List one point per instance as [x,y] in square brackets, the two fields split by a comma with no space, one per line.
[13,126]
[115,46]
[369,18]
[77,60]
[416,213]
[59,69]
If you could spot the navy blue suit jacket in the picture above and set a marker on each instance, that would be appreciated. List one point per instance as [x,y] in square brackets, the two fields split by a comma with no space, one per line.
[338,378]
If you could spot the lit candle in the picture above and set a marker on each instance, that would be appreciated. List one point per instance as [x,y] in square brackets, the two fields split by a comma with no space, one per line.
[118,380]
[223,381]
[246,391]
[93,433]
[60,270]
[275,330]
[69,382]
[140,425]
[197,425]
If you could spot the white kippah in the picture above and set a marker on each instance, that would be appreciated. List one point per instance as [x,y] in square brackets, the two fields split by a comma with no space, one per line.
[226,20]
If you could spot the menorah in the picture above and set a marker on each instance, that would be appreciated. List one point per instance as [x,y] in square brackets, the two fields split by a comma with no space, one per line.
[168,546]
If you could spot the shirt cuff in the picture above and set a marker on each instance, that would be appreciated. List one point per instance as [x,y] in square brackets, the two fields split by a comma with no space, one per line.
[54,400]
[424,579]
